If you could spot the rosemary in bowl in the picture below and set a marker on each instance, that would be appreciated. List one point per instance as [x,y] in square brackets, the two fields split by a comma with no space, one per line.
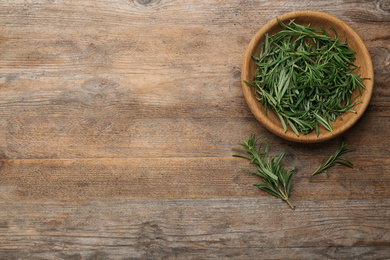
[306,77]
[310,77]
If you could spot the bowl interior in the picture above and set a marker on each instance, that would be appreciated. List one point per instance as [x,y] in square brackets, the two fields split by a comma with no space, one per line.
[316,20]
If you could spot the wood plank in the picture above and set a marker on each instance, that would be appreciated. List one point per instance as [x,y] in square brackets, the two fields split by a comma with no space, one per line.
[185,96]
[84,179]
[241,228]
[109,135]
[130,40]
[119,252]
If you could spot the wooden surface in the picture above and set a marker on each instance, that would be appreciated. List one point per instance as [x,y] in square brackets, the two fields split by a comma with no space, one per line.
[117,119]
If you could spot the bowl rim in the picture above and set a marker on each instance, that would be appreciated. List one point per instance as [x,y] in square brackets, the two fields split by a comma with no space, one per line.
[253,103]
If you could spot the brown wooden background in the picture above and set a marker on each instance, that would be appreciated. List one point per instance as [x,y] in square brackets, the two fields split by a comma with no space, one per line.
[117,119]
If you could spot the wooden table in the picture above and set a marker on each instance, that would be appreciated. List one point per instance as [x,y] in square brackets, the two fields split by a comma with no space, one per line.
[117,123]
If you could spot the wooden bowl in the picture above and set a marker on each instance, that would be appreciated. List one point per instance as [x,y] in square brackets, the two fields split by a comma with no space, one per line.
[316,20]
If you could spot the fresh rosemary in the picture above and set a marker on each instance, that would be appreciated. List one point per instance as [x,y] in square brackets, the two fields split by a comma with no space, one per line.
[276,180]
[335,159]
[306,77]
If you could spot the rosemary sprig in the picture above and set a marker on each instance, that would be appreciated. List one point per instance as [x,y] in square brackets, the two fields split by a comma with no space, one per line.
[335,159]
[276,180]
[306,77]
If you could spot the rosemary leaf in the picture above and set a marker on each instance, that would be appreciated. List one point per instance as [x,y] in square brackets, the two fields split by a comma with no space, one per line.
[335,159]
[276,180]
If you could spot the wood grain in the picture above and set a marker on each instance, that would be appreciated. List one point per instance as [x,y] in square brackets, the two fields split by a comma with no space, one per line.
[117,123]
[196,228]
[84,179]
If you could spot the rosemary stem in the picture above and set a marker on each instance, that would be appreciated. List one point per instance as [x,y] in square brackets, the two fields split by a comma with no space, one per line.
[285,198]
[292,207]
[276,180]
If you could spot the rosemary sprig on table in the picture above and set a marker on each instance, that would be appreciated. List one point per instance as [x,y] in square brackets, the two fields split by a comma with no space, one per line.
[335,159]
[306,77]
[276,180]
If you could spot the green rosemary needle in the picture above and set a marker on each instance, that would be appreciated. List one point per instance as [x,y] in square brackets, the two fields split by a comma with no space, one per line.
[306,77]
[335,159]
[276,180]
